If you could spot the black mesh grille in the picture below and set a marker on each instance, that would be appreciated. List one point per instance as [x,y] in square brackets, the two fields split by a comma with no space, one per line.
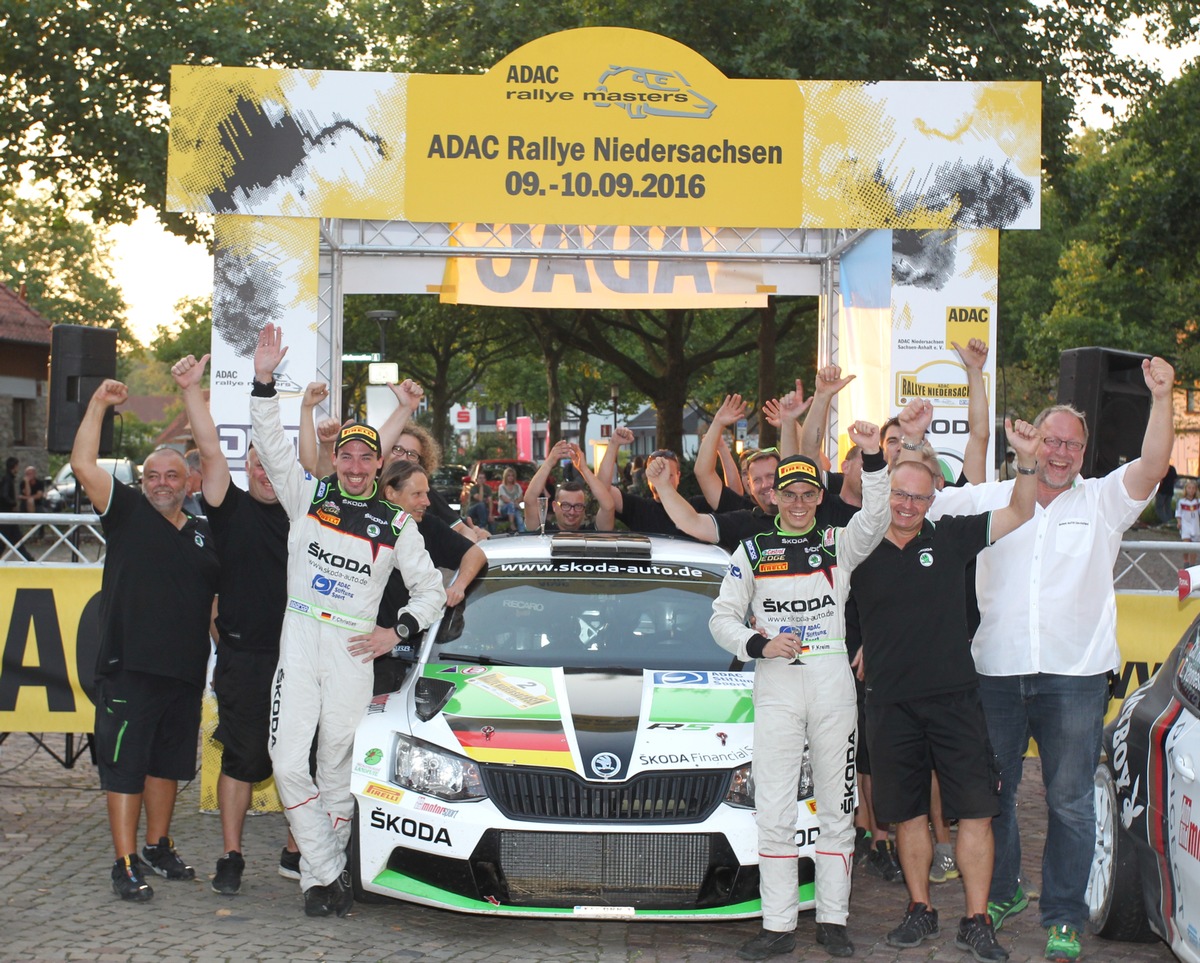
[653,797]
[619,869]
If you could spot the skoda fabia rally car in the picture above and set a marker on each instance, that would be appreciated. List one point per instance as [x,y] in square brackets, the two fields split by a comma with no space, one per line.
[1145,878]
[572,741]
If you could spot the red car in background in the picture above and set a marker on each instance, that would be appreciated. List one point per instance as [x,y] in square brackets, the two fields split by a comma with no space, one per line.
[491,472]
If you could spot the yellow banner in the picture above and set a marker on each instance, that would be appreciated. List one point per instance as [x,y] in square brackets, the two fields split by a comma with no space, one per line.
[49,620]
[578,281]
[604,126]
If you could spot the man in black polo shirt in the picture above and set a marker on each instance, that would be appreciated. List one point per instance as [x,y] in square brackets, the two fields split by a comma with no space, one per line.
[568,507]
[250,530]
[923,709]
[156,594]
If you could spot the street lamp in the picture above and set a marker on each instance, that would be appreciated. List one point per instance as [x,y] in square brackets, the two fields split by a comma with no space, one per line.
[379,317]
[615,392]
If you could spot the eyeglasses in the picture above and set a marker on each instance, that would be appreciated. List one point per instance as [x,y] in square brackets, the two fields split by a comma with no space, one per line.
[789,498]
[663,453]
[1056,443]
[902,496]
[406,453]
[568,506]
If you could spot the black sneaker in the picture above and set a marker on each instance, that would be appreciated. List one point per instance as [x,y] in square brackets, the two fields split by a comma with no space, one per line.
[162,858]
[976,933]
[835,939]
[341,894]
[316,901]
[919,923]
[289,864]
[228,878]
[767,943]
[128,881]
[884,863]
[862,846]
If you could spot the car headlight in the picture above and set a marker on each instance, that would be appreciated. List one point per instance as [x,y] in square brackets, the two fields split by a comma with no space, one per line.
[426,769]
[741,787]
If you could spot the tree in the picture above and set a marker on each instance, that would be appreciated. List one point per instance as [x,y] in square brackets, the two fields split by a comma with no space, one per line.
[190,333]
[83,86]
[61,259]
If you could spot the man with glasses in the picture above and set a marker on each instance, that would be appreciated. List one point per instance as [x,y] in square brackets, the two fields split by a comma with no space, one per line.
[794,580]
[569,502]
[923,709]
[638,514]
[1047,642]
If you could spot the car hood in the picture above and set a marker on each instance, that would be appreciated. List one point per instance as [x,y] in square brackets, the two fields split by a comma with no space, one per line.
[602,725]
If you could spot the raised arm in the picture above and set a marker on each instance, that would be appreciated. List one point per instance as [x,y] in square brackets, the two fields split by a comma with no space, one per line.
[731,411]
[86,447]
[620,436]
[974,356]
[214,468]
[685,518]
[829,382]
[408,398]
[1147,471]
[605,514]
[1026,440]
[310,454]
[537,484]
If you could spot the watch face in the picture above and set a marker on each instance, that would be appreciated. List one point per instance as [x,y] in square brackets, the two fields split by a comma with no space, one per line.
[401,630]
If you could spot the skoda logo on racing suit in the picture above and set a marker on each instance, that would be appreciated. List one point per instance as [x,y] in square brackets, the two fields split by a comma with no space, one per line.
[605,765]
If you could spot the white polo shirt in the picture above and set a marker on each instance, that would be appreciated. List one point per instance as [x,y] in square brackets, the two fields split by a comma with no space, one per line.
[1046,590]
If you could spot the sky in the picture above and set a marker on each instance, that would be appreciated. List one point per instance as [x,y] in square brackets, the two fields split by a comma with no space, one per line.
[154,268]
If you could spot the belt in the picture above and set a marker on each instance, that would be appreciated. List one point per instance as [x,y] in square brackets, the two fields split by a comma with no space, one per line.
[330,617]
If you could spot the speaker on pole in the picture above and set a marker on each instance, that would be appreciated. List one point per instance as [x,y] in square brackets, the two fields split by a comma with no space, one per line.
[81,357]
[1108,387]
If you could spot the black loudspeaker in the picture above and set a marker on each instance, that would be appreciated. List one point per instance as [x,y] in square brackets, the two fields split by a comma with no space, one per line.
[80,359]
[1109,388]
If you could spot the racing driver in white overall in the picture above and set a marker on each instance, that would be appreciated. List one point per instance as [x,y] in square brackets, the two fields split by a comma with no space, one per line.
[794,581]
[343,543]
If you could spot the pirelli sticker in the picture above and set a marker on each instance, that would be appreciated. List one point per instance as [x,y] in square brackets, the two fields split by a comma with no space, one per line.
[386,793]
[773,567]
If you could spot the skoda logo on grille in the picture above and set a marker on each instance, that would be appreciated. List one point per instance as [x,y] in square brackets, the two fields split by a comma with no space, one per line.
[605,765]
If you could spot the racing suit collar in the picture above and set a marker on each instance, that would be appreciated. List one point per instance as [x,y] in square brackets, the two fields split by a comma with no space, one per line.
[777,519]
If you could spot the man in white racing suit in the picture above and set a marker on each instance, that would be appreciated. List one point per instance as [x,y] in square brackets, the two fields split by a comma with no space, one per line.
[794,581]
[343,543]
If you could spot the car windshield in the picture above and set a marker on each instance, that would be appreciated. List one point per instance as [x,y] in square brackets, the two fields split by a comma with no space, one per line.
[587,613]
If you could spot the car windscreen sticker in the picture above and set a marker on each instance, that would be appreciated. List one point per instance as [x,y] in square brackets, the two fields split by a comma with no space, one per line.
[587,568]
[518,691]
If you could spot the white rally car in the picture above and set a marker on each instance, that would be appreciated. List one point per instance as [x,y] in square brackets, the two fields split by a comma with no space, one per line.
[572,742]
[1145,878]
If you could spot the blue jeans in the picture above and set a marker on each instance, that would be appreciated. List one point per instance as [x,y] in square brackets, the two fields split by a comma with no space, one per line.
[1065,714]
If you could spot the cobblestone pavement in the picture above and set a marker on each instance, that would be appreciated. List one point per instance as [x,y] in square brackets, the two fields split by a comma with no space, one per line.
[57,903]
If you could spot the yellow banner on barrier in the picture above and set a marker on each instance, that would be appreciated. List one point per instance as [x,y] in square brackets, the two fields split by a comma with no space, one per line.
[49,624]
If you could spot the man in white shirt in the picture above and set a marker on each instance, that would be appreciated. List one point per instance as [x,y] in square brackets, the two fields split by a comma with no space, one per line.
[1047,641]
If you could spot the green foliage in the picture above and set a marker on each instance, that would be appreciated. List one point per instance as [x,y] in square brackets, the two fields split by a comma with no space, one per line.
[492,444]
[62,260]
[134,438]
[84,85]
[190,333]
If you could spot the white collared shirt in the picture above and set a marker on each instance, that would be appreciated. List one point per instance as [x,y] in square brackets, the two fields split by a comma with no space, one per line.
[1045,591]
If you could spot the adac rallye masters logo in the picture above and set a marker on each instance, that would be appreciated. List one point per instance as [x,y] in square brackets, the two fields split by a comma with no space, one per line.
[642,92]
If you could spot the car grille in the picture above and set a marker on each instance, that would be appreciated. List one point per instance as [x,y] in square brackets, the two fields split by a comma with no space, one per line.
[667,869]
[652,797]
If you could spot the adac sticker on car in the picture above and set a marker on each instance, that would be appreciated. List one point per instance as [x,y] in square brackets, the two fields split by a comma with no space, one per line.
[507,716]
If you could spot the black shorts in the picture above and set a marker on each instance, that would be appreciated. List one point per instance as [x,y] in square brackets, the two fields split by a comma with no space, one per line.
[946,733]
[242,682]
[146,725]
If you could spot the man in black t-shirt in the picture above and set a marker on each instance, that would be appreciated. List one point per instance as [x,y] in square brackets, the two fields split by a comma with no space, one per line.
[250,530]
[156,594]
[923,708]
[567,508]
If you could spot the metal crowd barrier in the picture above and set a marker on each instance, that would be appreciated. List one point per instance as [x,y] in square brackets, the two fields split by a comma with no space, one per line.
[61,538]
[68,539]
